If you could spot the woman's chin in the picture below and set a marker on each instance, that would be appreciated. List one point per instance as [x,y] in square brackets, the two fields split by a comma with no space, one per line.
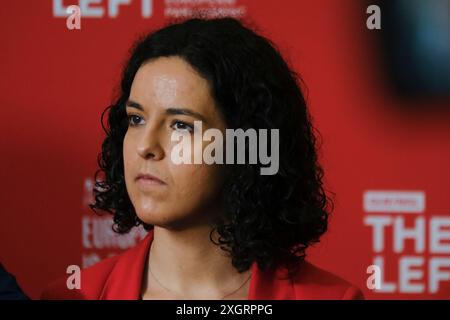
[157,218]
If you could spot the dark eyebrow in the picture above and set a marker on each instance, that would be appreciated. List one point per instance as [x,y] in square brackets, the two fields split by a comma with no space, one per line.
[131,103]
[170,111]
[186,112]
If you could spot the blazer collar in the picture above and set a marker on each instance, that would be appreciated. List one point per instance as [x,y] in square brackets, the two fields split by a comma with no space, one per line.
[125,279]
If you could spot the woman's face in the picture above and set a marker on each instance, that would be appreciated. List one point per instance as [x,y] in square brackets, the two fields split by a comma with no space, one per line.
[168,95]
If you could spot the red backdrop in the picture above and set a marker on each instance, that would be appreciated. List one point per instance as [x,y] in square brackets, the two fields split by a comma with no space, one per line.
[388,167]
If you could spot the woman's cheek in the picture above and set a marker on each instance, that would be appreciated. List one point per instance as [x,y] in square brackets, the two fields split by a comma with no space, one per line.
[197,182]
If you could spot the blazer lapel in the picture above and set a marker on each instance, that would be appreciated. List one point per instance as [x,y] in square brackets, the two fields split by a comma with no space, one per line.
[124,282]
[270,285]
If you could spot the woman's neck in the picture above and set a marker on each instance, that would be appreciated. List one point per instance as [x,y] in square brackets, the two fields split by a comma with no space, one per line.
[188,264]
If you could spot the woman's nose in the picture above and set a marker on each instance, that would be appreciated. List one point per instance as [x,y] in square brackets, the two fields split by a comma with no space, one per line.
[149,145]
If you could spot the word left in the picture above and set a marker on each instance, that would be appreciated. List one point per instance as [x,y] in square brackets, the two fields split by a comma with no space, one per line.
[95,8]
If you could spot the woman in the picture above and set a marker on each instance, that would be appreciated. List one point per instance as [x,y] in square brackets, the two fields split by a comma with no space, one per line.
[216,231]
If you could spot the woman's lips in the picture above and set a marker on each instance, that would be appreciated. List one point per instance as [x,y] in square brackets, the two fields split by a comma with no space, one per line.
[146,180]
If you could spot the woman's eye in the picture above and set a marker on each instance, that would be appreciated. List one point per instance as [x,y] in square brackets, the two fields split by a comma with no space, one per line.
[134,120]
[180,125]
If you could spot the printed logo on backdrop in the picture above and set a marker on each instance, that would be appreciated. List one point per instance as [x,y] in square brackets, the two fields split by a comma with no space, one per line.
[98,239]
[170,8]
[209,8]
[410,248]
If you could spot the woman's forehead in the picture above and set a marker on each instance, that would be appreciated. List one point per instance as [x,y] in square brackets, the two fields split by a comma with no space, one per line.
[170,81]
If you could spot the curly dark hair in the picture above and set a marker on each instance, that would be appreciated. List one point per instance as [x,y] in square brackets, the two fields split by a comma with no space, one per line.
[270,219]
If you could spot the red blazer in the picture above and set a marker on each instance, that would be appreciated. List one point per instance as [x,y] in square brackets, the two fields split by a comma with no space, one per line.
[120,277]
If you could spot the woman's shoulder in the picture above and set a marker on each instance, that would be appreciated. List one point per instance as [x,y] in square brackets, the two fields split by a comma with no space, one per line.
[309,283]
[313,282]
[114,277]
